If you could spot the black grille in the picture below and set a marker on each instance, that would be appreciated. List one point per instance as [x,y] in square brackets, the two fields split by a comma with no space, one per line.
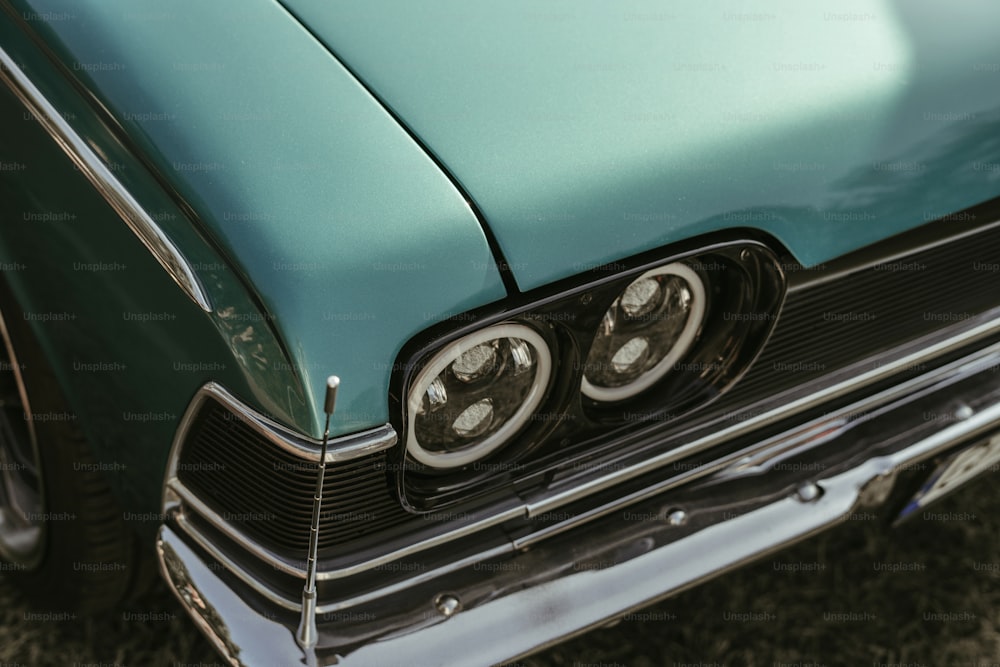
[868,312]
[267,492]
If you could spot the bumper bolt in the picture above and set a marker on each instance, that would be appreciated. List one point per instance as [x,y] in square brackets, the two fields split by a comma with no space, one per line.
[808,492]
[677,518]
[447,605]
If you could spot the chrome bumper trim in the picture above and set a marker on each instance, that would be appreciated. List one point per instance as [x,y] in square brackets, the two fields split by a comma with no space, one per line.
[295,604]
[567,600]
[191,502]
[114,192]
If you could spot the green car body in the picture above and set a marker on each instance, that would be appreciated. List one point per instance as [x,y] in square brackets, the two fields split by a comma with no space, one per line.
[342,177]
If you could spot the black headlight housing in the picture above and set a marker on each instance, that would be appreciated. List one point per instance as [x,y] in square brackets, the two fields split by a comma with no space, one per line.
[675,332]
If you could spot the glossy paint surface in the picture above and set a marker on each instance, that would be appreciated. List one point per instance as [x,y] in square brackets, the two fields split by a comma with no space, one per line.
[352,239]
[584,134]
[127,345]
[590,131]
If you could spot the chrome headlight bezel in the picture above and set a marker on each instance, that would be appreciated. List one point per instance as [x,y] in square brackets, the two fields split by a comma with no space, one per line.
[448,356]
[684,340]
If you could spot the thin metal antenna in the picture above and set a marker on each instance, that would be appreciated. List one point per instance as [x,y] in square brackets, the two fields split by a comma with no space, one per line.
[306,635]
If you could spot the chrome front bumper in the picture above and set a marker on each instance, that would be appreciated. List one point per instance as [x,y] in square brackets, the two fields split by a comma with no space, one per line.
[624,555]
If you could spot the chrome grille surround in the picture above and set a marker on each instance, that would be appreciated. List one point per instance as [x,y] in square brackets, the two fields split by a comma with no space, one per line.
[300,453]
[267,490]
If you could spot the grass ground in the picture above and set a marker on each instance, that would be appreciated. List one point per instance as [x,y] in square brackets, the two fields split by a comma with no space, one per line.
[927,594]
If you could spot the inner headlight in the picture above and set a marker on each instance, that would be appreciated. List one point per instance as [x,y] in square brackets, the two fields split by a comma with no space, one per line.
[648,328]
[475,394]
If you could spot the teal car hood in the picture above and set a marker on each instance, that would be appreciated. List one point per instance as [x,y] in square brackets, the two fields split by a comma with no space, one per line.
[590,131]
[349,236]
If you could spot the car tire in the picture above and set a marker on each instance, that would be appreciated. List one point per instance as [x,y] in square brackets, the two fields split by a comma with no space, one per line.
[83,557]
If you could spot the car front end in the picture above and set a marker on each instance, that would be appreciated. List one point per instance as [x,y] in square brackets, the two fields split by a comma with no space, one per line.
[590,355]
[839,414]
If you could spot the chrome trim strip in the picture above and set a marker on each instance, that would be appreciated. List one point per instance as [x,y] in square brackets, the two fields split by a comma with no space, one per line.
[192,502]
[827,427]
[113,191]
[341,448]
[767,418]
[218,554]
[295,604]
[587,599]
[976,425]
[876,255]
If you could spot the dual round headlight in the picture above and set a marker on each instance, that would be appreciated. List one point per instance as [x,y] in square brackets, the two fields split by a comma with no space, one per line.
[474,395]
[477,393]
[647,329]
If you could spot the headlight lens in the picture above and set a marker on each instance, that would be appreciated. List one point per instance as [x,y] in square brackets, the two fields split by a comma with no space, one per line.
[475,394]
[648,328]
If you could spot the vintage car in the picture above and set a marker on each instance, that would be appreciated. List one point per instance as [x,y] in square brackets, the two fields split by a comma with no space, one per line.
[560,307]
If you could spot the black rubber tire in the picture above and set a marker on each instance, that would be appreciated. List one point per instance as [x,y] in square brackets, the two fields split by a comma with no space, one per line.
[91,558]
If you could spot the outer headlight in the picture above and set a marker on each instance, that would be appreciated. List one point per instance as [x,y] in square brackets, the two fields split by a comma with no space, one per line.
[648,328]
[475,394]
